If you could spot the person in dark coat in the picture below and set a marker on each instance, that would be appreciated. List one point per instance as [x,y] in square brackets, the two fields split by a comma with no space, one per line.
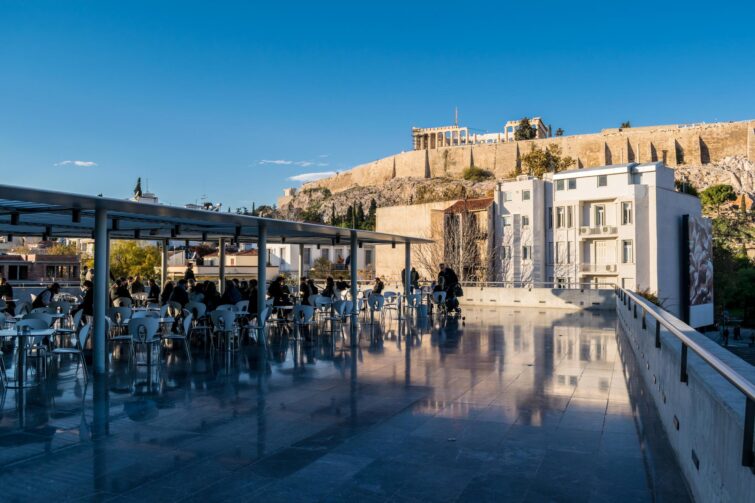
[330,288]
[154,292]
[166,293]
[277,292]
[6,294]
[253,293]
[46,296]
[211,296]
[179,294]
[304,291]
[189,272]
[231,295]
[87,305]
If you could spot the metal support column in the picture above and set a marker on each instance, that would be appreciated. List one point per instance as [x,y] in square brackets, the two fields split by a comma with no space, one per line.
[221,265]
[101,259]
[301,263]
[407,273]
[164,264]
[261,278]
[354,277]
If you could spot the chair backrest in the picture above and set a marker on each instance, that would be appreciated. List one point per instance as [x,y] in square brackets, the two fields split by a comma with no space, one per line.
[226,307]
[23,307]
[174,309]
[164,310]
[303,314]
[81,339]
[123,302]
[187,322]
[47,310]
[242,306]
[390,297]
[439,297]
[223,319]
[197,309]
[414,299]
[340,307]
[77,319]
[47,318]
[266,313]
[143,329]
[120,314]
[376,301]
[33,324]
[348,308]
[138,314]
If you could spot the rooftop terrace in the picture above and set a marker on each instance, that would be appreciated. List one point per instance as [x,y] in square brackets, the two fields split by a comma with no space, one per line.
[512,405]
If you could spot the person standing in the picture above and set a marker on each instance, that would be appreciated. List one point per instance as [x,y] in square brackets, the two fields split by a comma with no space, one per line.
[189,272]
[154,292]
[6,294]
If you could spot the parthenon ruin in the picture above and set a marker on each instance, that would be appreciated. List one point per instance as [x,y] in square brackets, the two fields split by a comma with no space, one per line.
[454,136]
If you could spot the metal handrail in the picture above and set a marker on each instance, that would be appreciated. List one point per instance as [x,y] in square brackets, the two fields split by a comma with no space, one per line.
[731,375]
[744,385]
[539,284]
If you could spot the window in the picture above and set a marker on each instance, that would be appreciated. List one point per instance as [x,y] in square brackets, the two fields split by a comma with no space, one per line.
[506,252]
[269,257]
[307,257]
[602,180]
[18,272]
[525,195]
[559,185]
[550,252]
[325,253]
[572,183]
[626,213]
[560,217]
[367,257]
[560,259]
[562,283]
[506,196]
[506,220]
[527,252]
[626,251]
[600,216]
[569,220]
[550,218]
[525,221]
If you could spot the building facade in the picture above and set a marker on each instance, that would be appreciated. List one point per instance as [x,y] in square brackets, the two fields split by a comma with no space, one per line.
[611,225]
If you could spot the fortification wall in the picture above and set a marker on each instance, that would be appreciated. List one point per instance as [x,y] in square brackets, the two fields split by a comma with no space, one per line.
[674,144]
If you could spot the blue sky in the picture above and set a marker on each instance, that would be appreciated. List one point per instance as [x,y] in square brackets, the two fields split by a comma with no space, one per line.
[196,96]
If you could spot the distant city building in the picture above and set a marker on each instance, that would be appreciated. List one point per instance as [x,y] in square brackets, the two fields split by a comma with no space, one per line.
[39,267]
[286,257]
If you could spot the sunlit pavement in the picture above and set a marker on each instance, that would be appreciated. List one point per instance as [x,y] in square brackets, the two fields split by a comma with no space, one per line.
[512,405]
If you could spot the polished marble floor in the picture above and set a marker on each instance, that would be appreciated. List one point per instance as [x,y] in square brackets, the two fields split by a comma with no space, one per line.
[511,405]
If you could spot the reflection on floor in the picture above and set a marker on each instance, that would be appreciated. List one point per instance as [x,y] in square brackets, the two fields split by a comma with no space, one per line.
[514,405]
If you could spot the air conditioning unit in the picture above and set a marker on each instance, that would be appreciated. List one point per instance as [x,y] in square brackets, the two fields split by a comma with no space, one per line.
[605,229]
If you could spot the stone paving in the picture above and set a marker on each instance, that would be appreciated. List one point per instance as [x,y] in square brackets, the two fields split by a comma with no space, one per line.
[512,405]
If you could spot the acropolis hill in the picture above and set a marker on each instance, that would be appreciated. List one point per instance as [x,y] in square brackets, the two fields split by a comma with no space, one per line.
[676,144]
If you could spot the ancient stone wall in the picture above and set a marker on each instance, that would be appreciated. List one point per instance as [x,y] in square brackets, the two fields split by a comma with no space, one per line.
[677,145]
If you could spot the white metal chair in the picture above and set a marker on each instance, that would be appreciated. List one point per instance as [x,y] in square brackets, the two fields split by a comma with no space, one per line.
[242,306]
[143,331]
[79,343]
[46,317]
[23,307]
[183,334]
[375,303]
[439,299]
[224,325]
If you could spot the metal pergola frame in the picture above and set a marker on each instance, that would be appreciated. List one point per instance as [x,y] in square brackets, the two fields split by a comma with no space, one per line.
[34,212]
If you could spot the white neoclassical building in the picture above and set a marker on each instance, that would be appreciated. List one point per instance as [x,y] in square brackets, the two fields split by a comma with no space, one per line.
[619,225]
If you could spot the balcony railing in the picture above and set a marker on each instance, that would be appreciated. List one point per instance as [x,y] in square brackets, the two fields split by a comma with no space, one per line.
[603,230]
[598,268]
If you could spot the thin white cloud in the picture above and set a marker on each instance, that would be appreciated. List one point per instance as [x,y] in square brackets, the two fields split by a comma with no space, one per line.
[276,161]
[287,162]
[311,177]
[81,164]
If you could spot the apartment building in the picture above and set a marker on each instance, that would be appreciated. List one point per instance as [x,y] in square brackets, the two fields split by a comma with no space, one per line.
[286,257]
[610,225]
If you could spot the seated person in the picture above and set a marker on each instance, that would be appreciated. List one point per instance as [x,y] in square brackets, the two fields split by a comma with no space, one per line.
[379,286]
[46,296]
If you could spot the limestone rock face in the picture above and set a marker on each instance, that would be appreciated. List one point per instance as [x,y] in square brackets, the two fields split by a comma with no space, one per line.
[737,171]
[397,191]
